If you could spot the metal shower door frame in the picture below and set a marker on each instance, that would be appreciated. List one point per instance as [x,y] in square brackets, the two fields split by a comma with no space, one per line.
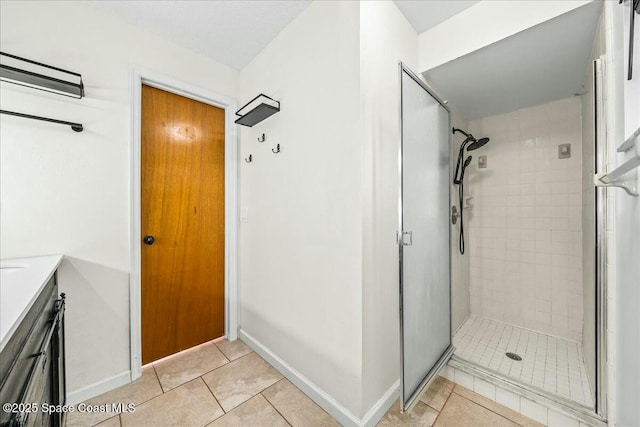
[400,240]
[601,201]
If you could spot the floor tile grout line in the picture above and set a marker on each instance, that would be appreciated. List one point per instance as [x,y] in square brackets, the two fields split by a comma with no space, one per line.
[214,398]
[272,405]
[94,425]
[303,393]
[141,403]
[156,375]
[224,354]
[243,402]
[489,409]
[443,406]
[445,402]
[281,379]
[244,355]
[153,366]
[163,392]
[203,374]
[226,364]
[432,406]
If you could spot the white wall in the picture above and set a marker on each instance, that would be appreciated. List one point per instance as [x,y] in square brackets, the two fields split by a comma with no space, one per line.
[588,211]
[301,249]
[524,234]
[386,37]
[67,192]
[483,24]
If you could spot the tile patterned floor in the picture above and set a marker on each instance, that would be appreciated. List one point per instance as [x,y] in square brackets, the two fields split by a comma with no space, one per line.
[549,363]
[224,383]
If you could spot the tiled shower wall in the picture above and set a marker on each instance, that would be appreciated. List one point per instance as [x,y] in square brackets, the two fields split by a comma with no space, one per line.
[525,233]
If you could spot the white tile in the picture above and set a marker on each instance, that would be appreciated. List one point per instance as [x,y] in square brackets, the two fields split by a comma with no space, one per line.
[533,410]
[447,372]
[508,399]
[464,379]
[556,419]
[554,364]
[484,388]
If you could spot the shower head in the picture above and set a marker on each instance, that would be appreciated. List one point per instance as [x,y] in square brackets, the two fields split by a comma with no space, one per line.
[477,143]
[474,144]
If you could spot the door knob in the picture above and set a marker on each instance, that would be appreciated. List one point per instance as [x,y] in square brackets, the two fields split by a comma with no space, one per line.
[148,240]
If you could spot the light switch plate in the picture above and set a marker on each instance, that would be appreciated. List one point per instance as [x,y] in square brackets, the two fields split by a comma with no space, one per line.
[564,151]
[244,215]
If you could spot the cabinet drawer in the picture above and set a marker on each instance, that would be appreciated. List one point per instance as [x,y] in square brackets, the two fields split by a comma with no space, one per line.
[19,358]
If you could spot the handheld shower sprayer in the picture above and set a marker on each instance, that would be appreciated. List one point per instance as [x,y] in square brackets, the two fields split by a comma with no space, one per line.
[470,143]
[464,166]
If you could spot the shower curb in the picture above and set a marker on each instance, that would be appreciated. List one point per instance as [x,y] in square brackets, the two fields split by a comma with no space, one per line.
[553,410]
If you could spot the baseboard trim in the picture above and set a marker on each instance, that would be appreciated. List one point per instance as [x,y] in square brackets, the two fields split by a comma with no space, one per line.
[381,407]
[325,401]
[95,389]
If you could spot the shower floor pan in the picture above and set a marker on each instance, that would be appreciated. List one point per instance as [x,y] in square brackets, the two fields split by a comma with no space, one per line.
[549,363]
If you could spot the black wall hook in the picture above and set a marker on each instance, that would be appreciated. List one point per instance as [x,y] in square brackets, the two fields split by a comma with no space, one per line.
[249,159]
[277,149]
[262,139]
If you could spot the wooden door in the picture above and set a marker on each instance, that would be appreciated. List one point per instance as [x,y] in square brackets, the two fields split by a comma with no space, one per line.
[182,174]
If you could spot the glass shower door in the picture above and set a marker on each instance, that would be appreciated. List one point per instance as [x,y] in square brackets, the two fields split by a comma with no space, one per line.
[425,280]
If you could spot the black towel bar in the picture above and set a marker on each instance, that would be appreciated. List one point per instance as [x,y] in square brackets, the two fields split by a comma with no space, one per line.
[77,127]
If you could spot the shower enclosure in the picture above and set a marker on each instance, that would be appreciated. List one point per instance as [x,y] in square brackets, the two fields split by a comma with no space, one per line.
[425,251]
[528,313]
[532,314]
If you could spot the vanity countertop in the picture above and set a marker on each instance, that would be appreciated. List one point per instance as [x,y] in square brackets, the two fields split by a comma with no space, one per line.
[21,280]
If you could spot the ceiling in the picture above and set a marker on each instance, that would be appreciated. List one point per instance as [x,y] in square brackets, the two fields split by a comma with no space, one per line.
[423,15]
[233,32]
[539,65]
[230,32]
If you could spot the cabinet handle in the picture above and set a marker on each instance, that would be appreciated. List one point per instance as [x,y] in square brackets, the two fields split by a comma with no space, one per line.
[34,388]
[59,309]
[37,379]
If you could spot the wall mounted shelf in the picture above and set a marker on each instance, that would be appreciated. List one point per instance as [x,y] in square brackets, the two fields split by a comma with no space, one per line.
[256,110]
[630,142]
[615,178]
[25,72]
[36,75]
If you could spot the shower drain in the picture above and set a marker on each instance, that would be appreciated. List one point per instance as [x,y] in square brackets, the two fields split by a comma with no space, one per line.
[514,356]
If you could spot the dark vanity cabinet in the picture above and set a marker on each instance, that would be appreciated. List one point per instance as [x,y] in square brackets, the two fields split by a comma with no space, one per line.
[32,364]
